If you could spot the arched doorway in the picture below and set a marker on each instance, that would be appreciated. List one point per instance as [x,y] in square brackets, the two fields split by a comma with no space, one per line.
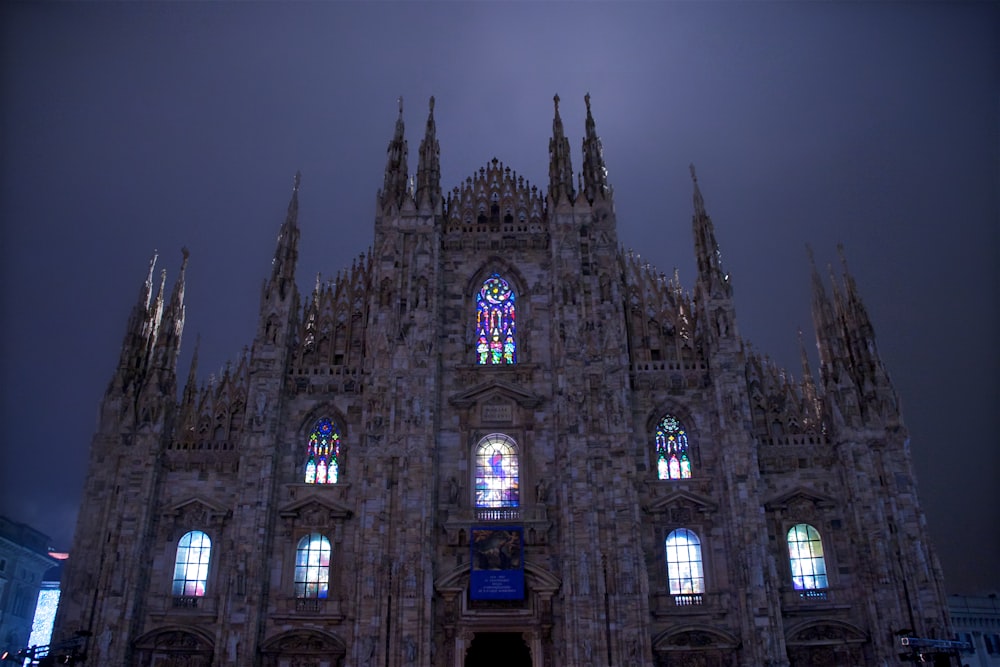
[498,649]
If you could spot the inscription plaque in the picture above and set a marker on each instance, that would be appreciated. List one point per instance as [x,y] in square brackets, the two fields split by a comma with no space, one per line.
[497,412]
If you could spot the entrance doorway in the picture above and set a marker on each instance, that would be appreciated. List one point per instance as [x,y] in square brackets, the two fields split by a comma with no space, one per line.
[498,649]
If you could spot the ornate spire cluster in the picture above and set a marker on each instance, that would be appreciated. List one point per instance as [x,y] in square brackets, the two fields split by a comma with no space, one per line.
[153,335]
[496,194]
[213,416]
[332,327]
[851,368]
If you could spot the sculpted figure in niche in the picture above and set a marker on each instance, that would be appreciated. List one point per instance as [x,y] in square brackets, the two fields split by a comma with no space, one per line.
[541,492]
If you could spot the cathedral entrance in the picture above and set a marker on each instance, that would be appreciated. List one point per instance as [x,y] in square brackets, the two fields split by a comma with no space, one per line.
[498,649]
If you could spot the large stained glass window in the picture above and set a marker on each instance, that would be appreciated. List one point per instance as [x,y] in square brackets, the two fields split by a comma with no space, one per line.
[323,462]
[312,567]
[496,341]
[684,570]
[805,553]
[496,472]
[672,461]
[191,565]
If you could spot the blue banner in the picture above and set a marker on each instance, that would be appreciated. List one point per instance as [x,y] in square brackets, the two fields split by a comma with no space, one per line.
[497,563]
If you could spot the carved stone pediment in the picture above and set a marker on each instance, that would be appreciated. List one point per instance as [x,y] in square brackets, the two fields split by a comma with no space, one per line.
[495,391]
[798,500]
[694,638]
[175,640]
[197,511]
[304,643]
[314,511]
[679,502]
[825,632]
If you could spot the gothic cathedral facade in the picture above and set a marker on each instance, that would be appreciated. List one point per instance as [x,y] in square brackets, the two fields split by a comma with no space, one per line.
[498,439]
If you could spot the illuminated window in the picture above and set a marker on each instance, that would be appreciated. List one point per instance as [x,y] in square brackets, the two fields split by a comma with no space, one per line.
[495,330]
[323,462]
[312,567]
[496,472]
[805,553]
[672,461]
[684,570]
[191,564]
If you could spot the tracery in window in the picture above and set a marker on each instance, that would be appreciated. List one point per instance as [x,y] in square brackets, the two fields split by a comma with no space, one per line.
[684,567]
[497,472]
[323,456]
[194,550]
[495,326]
[672,461]
[312,567]
[805,554]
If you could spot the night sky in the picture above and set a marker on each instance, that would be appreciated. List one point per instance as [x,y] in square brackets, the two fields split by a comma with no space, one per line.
[133,127]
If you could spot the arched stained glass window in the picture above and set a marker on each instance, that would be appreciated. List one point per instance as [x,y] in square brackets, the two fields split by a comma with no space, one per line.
[312,567]
[323,457]
[191,564]
[672,461]
[684,569]
[496,472]
[496,341]
[805,554]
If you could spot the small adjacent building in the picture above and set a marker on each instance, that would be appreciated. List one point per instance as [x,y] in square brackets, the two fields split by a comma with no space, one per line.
[24,560]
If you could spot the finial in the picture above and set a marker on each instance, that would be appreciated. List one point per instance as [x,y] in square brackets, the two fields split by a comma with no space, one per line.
[432,104]
[400,100]
[586,99]
[694,176]
[297,181]
[185,253]
[555,98]
[843,257]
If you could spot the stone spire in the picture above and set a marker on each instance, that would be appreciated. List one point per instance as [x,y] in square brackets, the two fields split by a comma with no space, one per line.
[287,251]
[191,386]
[139,335]
[429,167]
[171,325]
[595,173]
[560,169]
[859,333]
[711,276]
[395,183]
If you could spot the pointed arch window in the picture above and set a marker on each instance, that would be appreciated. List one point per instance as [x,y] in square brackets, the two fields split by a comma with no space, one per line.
[684,567]
[496,339]
[194,550]
[497,481]
[312,567]
[323,454]
[805,555]
[672,457]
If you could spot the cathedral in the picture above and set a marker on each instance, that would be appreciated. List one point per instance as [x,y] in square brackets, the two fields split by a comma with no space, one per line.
[499,439]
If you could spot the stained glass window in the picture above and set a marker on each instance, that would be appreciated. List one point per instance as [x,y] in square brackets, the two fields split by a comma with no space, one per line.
[496,341]
[323,463]
[805,553]
[312,567]
[496,472]
[672,461]
[684,569]
[191,564]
